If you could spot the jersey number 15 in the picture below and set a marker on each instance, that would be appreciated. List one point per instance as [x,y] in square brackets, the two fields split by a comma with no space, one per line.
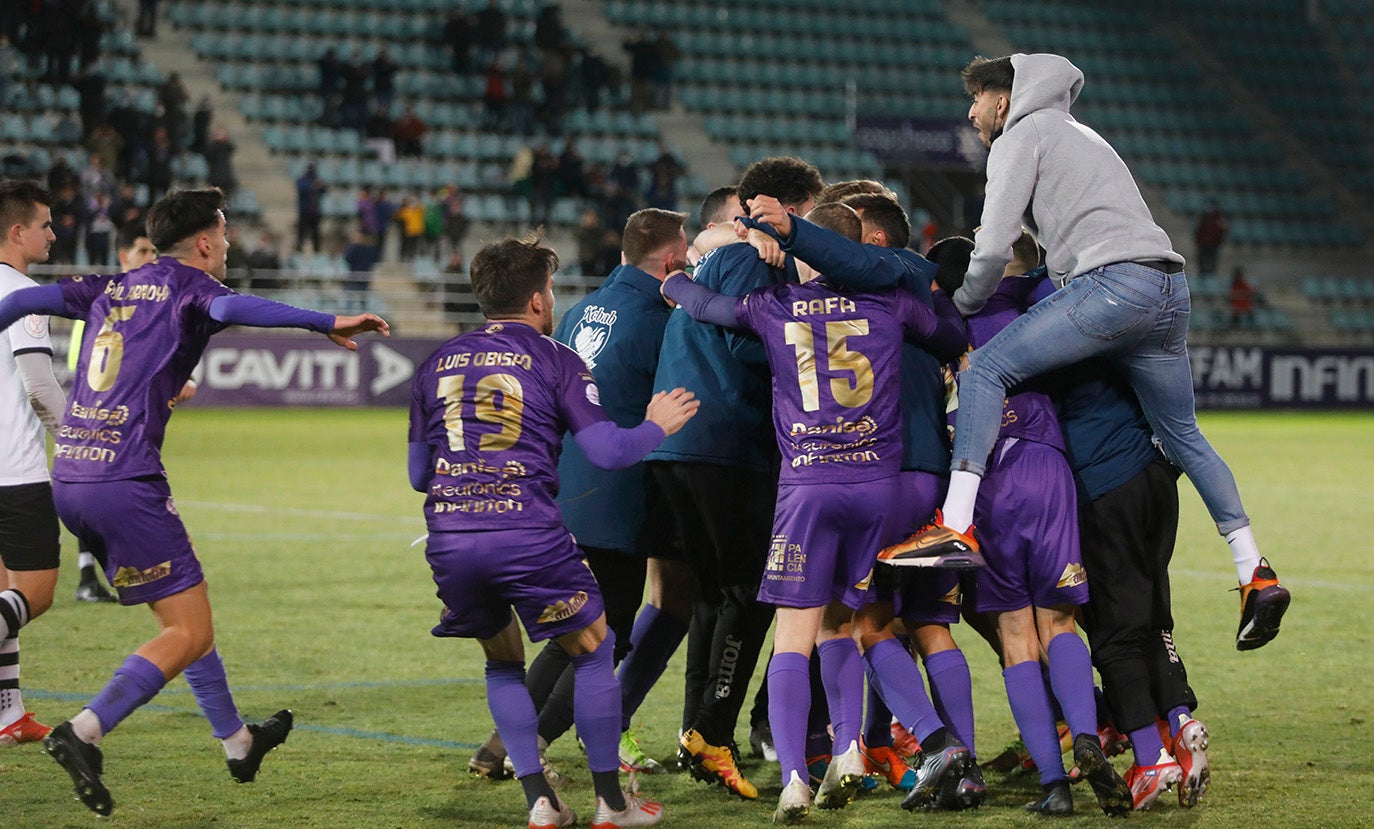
[850,395]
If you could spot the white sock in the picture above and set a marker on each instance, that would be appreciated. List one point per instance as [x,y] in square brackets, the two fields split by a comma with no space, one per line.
[84,560]
[86,726]
[11,701]
[959,501]
[1244,552]
[236,745]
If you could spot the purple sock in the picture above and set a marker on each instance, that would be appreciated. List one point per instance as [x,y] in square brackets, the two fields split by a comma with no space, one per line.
[1071,675]
[1178,717]
[211,689]
[789,700]
[653,640]
[512,710]
[1030,707]
[877,716]
[134,683]
[1146,745]
[951,689]
[899,682]
[843,677]
[596,705]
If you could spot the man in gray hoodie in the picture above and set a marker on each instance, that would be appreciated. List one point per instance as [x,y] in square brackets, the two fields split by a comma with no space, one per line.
[1122,295]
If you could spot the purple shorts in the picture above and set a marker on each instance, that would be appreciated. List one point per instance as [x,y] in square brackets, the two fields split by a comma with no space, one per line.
[826,540]
[1027,520]
[480,575]
[133,529]
[920,595]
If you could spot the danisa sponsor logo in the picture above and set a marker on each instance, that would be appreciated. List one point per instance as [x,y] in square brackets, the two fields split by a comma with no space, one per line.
[129,577]
[560,610]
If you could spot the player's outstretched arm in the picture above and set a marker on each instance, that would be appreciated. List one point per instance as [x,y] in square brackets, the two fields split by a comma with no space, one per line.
[347,327]
[44,299]
[699,301]
[608,446]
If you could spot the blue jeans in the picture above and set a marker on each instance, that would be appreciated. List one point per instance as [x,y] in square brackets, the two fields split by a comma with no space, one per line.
[1132,315]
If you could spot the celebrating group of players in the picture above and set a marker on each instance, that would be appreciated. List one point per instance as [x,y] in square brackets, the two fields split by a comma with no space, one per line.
[764,441]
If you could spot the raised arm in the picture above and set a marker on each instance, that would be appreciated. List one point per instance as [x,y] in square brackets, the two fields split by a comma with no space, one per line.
[700,302]
[244,309]
[940,331]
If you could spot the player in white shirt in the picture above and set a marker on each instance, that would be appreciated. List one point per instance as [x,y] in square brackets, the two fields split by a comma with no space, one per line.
[30,400]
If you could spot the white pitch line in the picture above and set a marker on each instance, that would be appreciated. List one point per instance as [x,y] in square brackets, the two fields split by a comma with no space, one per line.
[305,513]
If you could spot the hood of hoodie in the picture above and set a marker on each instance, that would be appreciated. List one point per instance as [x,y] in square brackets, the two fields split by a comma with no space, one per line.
[1042,82]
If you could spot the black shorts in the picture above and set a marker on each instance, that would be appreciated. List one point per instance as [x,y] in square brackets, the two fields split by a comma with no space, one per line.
[29,535]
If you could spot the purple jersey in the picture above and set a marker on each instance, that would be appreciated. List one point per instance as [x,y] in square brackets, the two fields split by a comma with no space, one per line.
[493,405]
[835,359]
[145,332]
[1027,414]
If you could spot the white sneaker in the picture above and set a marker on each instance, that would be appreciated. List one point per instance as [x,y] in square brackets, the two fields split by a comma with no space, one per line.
[795,802]
[1190,749]
[637,812]
[842,779]
[557,815]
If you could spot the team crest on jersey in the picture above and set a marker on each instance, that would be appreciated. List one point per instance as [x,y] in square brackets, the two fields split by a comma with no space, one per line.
[592,332]
[563,609]
[36,325]
[129,577]
[1073,575]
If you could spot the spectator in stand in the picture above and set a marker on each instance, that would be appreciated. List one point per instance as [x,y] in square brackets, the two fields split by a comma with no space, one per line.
[409,133]
[89,28]
[543,185]
[1210,234]
[572,178]
[521,103]
[236,263]
[160,155]
[366,211]
[588,235]
[106,143]
[411,219]
[99,228]
[386,212]
[520,176]
[124,208]
[90,86]
[554,79]
[1242,300]
[310,192]
[219,158]
[458,37]
[174,97]
[384,80]
[61,174]
[361,257]
[666,55]
[491,32]
[379,136]
[548,28]
[331,83]
[596,77]
[147,18]
[436,223]
[68,216]
[264,264]
[624,173]
[494,99]
[456,221]
[200,124]
[662,192]
[667,165]
[96,179]
[58,41]
[354,106]
[643,67]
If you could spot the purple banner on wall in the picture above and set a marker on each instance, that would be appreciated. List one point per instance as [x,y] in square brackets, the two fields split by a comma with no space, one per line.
[938,142]
[1260,377]
[284,370]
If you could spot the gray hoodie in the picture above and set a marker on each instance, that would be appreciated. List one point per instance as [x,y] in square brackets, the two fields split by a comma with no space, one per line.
[1063,182]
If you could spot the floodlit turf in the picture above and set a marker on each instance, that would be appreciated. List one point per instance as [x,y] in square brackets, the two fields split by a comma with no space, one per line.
[304,520]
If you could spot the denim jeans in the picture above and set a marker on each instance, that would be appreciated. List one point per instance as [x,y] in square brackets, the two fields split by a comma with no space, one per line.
[1132,315]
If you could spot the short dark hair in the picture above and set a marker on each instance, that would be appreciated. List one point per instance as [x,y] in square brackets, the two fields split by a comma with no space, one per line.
[129,234]
[786,178]
[951,256]
[1026,251]
[649,230]
[507,273]
[840,218]
[885,214]
[713,205]
[181,214]
[17,200]
[988,73]
[841,190]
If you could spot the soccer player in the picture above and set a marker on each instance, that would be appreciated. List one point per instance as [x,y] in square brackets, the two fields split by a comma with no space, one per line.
[1128,519]
[1124,297]
[152,324]
[927,600]
[719,475]
[617,516]
[834,358]
[30,401]
[488,413]
[133,249]
[1034,580]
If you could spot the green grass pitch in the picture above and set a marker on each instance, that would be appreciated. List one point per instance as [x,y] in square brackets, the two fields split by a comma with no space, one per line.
[304,523]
